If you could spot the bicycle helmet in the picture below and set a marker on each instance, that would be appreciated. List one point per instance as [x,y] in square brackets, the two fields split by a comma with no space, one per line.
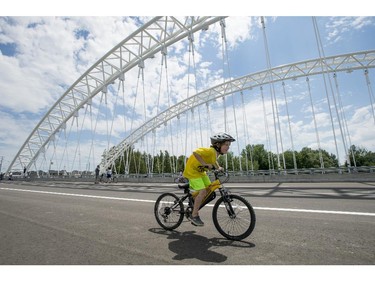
[218,139]
[221,137]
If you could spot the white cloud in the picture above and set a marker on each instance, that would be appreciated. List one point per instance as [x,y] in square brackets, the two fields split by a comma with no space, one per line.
[338,26]
[53,52]
[46,56]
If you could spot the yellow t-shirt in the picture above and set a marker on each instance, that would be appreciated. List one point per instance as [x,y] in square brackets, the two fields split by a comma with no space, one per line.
[192,171]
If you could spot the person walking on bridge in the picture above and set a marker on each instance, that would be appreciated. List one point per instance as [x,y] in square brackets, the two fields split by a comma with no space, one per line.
[97,171]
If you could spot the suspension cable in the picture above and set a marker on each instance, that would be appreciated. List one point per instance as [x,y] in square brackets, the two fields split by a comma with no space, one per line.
[124,158]
[209,118]
[290,129]
[89,103]
[273,99]
[226,61]
[191,49]
[268,141]
[164,60]
[196,89]
[370,93]
[324,70]
[78,148]
[149,162]
[346,129]
[315,124]
[92,147]
[67,137]
[157,113]
[246,137]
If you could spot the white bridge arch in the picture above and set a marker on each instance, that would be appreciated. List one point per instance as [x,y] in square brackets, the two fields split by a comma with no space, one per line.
[144,43]
[155,36]
[333,64]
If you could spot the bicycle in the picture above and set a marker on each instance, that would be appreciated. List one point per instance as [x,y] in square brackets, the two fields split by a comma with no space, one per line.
[233,215]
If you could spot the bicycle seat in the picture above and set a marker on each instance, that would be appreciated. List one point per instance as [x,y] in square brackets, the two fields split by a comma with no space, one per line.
[184,186]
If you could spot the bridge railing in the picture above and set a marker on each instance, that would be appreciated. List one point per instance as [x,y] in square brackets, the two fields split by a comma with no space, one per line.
[362,173]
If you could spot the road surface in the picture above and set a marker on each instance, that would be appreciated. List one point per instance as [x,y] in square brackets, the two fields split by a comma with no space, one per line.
[57,223]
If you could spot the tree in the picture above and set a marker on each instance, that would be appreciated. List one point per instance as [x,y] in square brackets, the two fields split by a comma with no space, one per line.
[362,156]
[247,159]
[181,163]
[261,156]
[166,165]
[289,162]
[309,158]
[253,157]
[229,161]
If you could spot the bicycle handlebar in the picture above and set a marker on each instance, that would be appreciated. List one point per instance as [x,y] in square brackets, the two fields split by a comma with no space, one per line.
[217,173]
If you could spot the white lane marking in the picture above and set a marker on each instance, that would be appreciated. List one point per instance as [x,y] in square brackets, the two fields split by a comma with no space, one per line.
[315,211]
[153,201]
[79,195]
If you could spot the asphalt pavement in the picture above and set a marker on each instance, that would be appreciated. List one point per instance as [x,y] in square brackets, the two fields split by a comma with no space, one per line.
[81,223]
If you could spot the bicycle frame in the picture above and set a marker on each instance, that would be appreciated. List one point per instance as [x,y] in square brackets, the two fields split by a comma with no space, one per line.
[211,195]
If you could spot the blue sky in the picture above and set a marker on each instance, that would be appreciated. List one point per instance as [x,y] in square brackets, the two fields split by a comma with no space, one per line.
[41,56]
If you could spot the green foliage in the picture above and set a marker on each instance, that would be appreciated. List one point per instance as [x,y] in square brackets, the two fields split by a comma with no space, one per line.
[310,158]
[252,158]
[289,159]
[362,157]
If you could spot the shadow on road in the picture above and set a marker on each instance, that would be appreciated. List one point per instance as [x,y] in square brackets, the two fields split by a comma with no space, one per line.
[189,245]
[280,190]
[310,192]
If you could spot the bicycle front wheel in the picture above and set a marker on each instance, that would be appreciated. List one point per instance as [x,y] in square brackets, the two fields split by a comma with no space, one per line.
[234,217]
[169,211]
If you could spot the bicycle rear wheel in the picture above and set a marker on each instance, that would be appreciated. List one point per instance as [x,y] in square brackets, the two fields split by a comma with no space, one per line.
[169,211]
[234,218]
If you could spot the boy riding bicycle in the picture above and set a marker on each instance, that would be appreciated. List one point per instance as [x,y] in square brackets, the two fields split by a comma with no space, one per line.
[198,179]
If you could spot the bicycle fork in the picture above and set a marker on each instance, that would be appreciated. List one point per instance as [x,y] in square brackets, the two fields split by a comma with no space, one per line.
[227,202]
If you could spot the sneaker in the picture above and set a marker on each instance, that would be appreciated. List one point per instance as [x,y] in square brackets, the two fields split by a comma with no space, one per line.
[197,221]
